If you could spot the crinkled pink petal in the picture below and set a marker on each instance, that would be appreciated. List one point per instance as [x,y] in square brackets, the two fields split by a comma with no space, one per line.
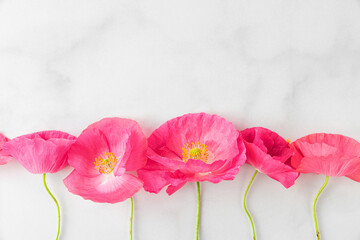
[165,161]
[201,171]
[156,176]
[278,171]
[269,142]
[196,166]
[103,188]
[231,167]
[41,152]
[313,150]
[334,166]
[346,145]
[88,146]
[178,177]
[154,180]
[215,132]
[328,154]
[123,150]
[227,171]
[354,174]
[269,153]
[4,157]
[172,189]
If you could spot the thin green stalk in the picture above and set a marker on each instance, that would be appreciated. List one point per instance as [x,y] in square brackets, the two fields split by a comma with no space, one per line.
[314,213]
[57,204]
[198,210]
[247,212]
[131,216]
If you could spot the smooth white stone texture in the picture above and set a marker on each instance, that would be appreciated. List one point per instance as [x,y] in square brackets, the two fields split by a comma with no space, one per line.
[291,66]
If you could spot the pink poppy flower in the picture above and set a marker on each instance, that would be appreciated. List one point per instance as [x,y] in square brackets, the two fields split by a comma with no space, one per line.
[103,156]
[192,148]
[41,152]
[329,154]
[4,157]
[269,153]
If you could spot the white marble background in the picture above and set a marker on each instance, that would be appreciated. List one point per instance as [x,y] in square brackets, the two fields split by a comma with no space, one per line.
[289,65]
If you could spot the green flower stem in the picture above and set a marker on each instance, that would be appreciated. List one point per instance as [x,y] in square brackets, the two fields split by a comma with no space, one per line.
[57,204]
[131,216]
[198,210]
[317,196]
[247,212]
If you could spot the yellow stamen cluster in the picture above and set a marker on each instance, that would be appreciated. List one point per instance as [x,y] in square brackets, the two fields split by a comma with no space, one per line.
[195,150]
[106,162]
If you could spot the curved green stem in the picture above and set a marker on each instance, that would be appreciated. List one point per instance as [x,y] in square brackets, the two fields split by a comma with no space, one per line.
[247,212]
[131,216]
[57,204]
[314,213]
[198,210]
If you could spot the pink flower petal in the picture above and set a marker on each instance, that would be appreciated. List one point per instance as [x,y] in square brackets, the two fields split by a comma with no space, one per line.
[154,175]
[270,154]
[333,166]
[88,146]
[4,157]
[196,166]
[215,132]
[278,171]
[328,154]
[269,142]
[172,189]
[154,180]
[41,152]
[103,188]
[167,162]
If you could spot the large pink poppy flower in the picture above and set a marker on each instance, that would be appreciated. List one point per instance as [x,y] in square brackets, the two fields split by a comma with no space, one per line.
[102,156]
[192,148]
[329,154]
[269,153]
[4,157]
[41,152]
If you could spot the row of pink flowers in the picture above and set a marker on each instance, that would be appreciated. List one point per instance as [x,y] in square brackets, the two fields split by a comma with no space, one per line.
[113,159]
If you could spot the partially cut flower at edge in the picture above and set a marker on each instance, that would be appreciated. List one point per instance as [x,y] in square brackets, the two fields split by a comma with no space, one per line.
[4,157]
[333,155]
[41,152]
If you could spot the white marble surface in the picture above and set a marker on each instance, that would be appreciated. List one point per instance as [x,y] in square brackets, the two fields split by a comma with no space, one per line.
[291,66]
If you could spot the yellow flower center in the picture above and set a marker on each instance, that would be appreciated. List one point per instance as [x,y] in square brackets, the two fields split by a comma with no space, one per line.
[195,151]
[106,162]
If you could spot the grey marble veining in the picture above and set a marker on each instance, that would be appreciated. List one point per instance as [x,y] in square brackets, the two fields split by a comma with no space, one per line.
[291,66]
